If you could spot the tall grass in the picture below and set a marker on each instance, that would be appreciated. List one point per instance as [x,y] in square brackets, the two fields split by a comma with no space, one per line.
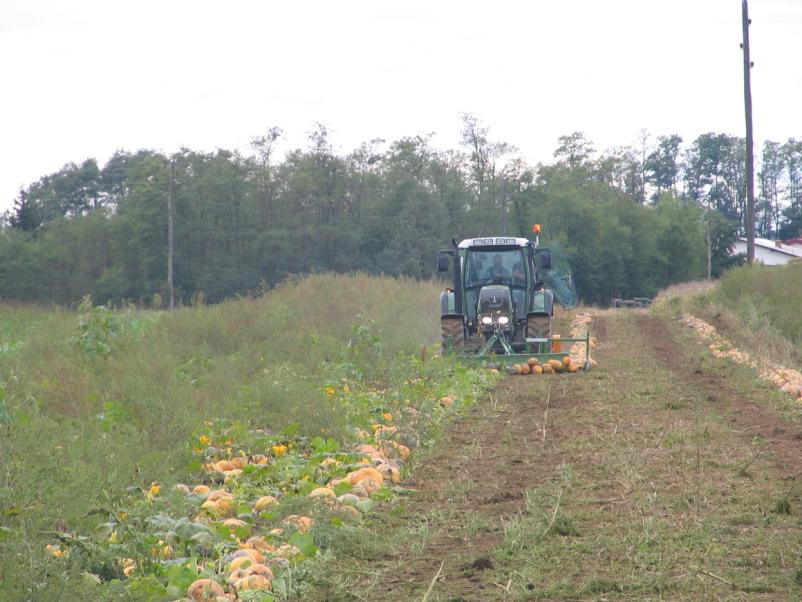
[94,401]
[757,307]
[770,293]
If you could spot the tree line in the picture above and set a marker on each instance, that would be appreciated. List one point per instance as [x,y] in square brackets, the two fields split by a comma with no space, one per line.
[630,220]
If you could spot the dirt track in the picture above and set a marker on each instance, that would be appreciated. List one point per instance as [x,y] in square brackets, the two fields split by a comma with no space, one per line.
[746,413]
[601,485]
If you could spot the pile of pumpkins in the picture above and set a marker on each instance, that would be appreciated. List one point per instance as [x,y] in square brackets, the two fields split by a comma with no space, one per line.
[246,571]
[579,352]
[534,366]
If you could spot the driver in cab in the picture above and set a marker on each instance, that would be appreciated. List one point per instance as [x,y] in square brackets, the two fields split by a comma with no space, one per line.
[497,270]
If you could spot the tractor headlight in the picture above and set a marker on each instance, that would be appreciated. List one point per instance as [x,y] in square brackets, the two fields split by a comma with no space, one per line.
[503,320]
[487,320]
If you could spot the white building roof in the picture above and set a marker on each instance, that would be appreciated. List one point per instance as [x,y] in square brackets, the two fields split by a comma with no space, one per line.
[776,246]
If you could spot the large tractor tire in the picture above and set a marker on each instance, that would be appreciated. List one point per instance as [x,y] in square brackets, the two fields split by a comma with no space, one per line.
[538,326]
[452,334]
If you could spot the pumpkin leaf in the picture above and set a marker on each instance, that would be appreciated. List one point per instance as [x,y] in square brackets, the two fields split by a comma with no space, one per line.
[321,445]
[160,522]
[104,530]
[342,487]
[206,540]
[185,529]
[181,576]
[382,495]
[305,543]
[243,532]
[150,540]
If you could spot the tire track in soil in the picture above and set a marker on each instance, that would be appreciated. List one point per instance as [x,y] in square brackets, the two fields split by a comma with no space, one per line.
[783,439]
[479,472]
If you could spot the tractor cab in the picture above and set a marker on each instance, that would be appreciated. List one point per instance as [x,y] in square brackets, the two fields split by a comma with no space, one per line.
[499,307]
[498,299]
[496,283]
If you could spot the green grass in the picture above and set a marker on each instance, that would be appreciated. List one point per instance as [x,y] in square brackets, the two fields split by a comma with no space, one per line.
[770,293]
[97,404]
[757,307]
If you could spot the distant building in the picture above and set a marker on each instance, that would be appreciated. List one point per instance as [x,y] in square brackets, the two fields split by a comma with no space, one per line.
[772,252]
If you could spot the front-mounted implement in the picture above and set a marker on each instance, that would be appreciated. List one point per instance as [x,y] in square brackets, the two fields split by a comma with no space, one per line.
[501,304]
[543,349]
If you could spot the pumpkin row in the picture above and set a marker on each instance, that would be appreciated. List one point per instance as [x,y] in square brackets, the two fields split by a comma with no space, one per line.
[534,366]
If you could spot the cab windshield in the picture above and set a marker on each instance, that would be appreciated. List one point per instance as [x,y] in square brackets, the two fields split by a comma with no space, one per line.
[495,267]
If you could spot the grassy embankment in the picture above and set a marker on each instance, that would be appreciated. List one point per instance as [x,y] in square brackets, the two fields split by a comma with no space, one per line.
[757,307]
[96,405]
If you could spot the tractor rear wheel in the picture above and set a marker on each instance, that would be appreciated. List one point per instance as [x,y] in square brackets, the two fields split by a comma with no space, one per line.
[452,334]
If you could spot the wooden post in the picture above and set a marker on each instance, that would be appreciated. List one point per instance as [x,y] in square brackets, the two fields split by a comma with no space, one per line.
[750,159]
[170,192]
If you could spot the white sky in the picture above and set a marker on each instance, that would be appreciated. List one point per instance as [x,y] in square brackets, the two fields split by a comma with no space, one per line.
[82,78]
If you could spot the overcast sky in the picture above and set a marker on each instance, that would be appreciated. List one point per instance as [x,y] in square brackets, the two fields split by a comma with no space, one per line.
[83,78]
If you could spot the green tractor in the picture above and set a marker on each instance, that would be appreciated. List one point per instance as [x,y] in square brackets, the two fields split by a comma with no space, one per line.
[501,303]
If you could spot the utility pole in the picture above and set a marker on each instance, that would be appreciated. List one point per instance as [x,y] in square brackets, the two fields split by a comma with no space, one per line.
[709,245]
[170,193]
[750,157]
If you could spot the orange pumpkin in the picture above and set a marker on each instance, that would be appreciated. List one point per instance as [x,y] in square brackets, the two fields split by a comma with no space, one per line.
[364,473]
[323,492]
[239,462]
[204,589]
[263,502]
[252,582]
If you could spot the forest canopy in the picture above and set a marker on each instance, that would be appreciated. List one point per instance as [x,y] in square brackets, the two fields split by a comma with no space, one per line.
[630,219]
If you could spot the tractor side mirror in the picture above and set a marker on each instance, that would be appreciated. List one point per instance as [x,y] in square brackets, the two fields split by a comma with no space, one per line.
[442,261]
[544,257]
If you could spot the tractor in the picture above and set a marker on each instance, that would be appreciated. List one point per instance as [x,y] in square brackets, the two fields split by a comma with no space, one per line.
[501,303]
